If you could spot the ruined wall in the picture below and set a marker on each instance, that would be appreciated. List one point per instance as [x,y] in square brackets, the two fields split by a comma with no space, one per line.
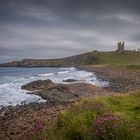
[120,48]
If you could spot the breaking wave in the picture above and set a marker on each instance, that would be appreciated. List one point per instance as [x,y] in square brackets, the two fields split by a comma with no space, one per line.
[11,82]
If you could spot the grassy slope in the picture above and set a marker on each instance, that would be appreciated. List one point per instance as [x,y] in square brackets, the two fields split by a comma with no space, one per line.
[91,58]
[77,122]
[110,58]
[129,60]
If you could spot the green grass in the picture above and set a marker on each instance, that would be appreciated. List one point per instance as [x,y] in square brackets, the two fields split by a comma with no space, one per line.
[133,67]
[76,123]
[128,60]
[112,58]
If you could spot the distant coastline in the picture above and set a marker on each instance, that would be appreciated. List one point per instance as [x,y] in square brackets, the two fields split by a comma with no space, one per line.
[90,58]
[68,61]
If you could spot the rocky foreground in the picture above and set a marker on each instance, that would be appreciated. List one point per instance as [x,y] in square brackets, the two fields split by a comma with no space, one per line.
[14,121]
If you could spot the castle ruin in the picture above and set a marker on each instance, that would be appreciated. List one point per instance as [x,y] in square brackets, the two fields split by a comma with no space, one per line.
[120,48]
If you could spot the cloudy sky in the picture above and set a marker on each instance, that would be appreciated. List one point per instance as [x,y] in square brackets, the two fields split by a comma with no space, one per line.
[60,28]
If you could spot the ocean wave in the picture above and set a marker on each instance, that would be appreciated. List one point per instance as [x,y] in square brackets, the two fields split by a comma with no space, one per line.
[62,72]
[11,94]
[52,74]
[10,86]
[69,69]
[45,74]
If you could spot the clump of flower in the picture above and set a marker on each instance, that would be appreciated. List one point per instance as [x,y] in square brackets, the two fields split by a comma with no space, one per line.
[105,127]
[37,127]
[34,131]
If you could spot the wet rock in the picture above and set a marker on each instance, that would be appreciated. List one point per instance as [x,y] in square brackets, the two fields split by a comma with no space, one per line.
[53,93]
[38,85]
[57,94]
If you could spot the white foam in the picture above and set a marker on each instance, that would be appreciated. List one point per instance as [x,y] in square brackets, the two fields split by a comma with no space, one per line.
[45,74]
[69,69]
[10,87]
[12,95]
[79,75]
[62,72]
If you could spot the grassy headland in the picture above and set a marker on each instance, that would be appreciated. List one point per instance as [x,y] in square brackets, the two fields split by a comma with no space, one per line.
[128,58]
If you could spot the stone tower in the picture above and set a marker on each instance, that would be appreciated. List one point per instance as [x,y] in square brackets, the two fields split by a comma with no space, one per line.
[120,48]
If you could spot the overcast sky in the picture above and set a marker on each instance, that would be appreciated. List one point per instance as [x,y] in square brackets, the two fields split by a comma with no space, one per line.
[60,28]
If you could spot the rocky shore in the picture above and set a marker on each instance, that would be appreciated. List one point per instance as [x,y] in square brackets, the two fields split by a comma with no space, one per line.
[120,80]
[15,121]
[63,93]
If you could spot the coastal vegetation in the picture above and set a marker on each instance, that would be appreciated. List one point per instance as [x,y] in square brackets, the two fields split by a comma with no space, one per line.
[113,58]
[115,117]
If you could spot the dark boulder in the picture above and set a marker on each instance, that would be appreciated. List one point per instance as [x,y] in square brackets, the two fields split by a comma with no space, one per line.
[53,93]
[38,85]
[70,80]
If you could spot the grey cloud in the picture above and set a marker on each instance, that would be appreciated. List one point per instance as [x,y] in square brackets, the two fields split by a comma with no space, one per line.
[60,28]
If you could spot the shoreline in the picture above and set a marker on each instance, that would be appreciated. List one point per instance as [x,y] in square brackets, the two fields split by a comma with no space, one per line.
[18,119]
[120,80]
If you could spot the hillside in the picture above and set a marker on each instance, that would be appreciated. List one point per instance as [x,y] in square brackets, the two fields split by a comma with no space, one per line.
[91,58]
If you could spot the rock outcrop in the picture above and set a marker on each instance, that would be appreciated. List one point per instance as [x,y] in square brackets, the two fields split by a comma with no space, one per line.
[63,93]
[38,85]
[53,93]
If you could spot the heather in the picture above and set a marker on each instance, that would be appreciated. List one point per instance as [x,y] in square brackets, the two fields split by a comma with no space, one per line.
[114,117]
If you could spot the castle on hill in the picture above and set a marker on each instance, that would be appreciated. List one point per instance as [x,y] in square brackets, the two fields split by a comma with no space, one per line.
[120,48]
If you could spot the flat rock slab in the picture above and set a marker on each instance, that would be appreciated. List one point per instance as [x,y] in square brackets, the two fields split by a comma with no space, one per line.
[62,93]
[53,93]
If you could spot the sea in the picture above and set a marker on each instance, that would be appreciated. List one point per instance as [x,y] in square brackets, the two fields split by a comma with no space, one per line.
[12,78]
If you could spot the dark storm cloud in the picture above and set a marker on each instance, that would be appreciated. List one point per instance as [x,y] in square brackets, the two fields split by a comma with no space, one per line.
[59,28]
